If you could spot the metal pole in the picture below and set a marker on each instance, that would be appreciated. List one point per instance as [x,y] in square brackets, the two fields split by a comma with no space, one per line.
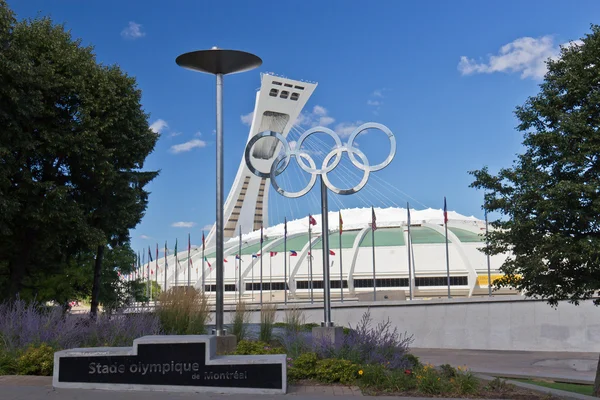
[408,246]
[310,264]
[203,280]
[341,270]
[374,279]
[166,266]
[325,240]
[270,278]
[189,261]
[240,269]
[447,260]
[261,268]
[285,263]
[488,257]
[219,220]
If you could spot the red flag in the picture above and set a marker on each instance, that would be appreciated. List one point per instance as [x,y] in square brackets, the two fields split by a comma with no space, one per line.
[273,253]
[224,259]
[341,223]
[373,219]
[332,252]
[311,220]
[445,212]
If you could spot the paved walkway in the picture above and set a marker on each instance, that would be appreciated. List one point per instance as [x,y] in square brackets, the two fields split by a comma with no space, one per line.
[574,367]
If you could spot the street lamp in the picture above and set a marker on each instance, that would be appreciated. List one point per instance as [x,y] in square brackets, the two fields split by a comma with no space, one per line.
[219,62]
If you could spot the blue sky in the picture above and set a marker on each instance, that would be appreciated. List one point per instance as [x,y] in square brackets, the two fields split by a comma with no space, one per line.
[445,77]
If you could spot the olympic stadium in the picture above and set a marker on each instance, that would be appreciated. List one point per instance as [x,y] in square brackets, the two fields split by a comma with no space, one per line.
[406,259]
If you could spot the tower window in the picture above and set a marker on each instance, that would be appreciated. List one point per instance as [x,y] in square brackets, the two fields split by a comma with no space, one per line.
[273,92]
[294,96]
[284,94]
[276,83]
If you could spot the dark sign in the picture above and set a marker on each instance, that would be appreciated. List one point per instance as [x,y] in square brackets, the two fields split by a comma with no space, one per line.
[177,364]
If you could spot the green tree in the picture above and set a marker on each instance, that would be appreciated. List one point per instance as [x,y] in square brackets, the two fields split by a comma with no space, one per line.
[72,147]
[550,197]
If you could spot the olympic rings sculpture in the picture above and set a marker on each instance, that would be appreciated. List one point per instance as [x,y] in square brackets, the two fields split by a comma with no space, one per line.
[306,163]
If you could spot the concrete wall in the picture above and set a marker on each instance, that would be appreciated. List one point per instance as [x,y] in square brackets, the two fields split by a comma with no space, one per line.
[507,323]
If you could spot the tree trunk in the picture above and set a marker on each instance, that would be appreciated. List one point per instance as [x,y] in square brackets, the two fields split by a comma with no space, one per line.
[96,285]
[597,381]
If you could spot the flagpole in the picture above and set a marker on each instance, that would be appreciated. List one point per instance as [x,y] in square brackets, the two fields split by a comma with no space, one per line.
[447,256]
[156,269]
[189,260]
[285,257]
[310,263]
[166,265]
[203,259]
[270,277]
[408,246]
[261,265]
[488,257]
[373,248]
[341,270]
[240,268]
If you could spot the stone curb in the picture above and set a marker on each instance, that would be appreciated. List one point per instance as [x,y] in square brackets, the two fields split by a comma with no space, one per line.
[541,389]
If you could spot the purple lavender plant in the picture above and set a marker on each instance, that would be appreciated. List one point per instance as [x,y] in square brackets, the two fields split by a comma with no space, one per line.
[23,324]
[366,345]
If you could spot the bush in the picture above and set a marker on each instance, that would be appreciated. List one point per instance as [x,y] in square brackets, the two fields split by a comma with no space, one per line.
[333,370]
[23,324]
[295,342]
[267,319]
[464,382]
[183,312]
[239,325]
[294,319]
[430,382]
[247,347]
[8,363]
[302,367]
[413,361]
[36,360]
[366,345]
[379,378]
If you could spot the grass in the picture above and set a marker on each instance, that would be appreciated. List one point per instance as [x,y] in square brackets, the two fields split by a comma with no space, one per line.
[183,312]
[568,387]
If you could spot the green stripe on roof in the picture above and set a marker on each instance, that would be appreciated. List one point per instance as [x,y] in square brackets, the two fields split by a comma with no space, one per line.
[334,240]
[424,235]
[465,235]
[255,248]
[295,243]
[384,237]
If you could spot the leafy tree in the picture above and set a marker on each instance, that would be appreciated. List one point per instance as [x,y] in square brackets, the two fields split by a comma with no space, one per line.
[551,195]
[72,147]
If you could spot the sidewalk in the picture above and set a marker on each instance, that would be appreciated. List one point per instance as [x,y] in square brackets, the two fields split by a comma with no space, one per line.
[567,366]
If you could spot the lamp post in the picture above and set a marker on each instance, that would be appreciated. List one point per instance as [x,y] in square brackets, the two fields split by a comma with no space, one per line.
[219,62]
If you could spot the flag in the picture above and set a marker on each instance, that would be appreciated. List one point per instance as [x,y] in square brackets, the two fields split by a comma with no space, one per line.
[373,219]
[237,257]
[149,254]
[445,212]
[285,226]
[152,271]
[331,252]
[273,253]
[206,260]
[341,223]
[293,253]
[261,233]
[254,255]
[202,240]
[175,249]
[224,259]
[311,220]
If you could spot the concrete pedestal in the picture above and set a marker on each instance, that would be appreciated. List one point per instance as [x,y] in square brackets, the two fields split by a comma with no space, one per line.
[328,334]
[226,344]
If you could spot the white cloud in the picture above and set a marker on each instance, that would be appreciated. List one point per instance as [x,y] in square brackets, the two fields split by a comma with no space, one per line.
[525,55]
[247,119]
[187,146]
[198,134]
[374,102]
[207,227]
[145,237]
[345,129]
[319,116]
[159,125]
[173,134]
[378,93]
[183,224]
[133,31]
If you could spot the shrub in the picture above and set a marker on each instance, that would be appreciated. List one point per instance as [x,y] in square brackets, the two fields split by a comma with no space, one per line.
[464,382]
[183,312]
[267,318]
[294,319]
[367,345]
[430,382]
[333,370]
[295,342]
[239,325]
[379,378]
[247,347]
[23,324]
[36,360]
[413,361]
[8,363]
[302,367]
